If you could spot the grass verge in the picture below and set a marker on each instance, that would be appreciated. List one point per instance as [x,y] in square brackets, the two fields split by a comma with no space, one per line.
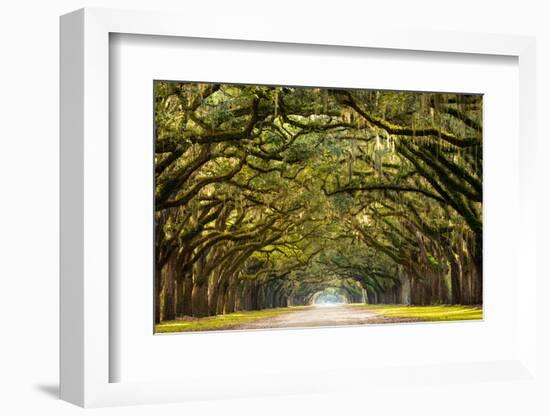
[219,322]
[428,313]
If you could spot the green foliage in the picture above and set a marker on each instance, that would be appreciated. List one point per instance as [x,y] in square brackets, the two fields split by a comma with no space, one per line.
[297,190]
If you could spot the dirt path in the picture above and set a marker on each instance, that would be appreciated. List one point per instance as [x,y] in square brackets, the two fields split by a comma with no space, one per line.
[324,315]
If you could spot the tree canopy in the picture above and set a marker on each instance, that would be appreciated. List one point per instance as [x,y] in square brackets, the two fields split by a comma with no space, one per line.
[267,196]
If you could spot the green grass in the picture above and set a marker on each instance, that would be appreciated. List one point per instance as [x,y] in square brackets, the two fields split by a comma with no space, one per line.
[219,322]
[428,313]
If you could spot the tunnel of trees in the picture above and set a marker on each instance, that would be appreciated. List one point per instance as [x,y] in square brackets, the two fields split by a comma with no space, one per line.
[269,196]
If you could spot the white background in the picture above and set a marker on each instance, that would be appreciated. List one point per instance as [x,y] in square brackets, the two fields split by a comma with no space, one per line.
[29,209]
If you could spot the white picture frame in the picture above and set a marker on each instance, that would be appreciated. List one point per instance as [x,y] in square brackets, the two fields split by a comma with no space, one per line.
[85,265]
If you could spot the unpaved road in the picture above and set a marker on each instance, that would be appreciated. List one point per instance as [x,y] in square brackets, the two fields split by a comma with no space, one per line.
[323,315]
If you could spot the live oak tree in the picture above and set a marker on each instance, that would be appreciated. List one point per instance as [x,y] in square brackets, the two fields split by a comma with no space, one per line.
[268,196]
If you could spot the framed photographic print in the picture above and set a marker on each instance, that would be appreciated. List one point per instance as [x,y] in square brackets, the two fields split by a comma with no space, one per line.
[295,213]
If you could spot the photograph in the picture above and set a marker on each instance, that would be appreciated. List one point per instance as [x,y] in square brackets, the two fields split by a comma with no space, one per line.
[301,207]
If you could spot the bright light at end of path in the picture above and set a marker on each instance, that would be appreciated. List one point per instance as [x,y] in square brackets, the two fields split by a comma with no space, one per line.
[326,305]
